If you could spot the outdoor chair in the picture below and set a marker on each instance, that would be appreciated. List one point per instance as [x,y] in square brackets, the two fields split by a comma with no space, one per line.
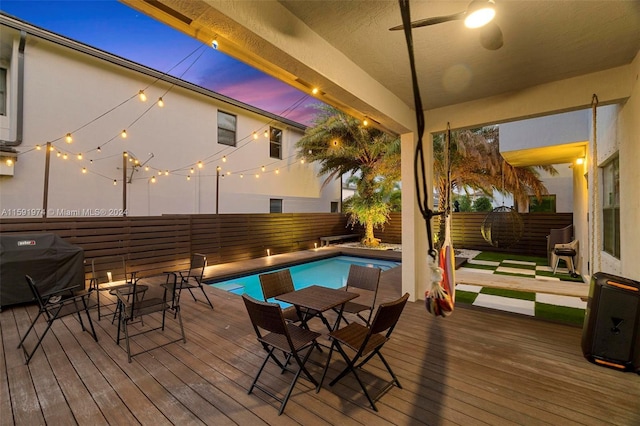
[365,342]
[362,278]
[53,306]
[568,253]
[558,236]
[276,334]
[274,284]
[157,298]
[109,274]
[192,278]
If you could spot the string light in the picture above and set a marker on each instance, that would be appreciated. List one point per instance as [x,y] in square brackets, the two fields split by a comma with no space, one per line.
[65,156]
[255,135]
[38,147]
[218,168]
[365,123]
[146,168]
[68,138]
[126,154]
[99,149]
[142,96]
[153,179]
[302,161]
[262,168]
[214,43]
[51,148]
[124,134]
[241,176]
[277,171]
[315,90]
[257,176]
[224,158]
[266,133]
[191,170]
[84,170]
[200,165]
[58,154]
[160,102]
[188,177]
[115,182]
[166,173]
[80,156]
[228,173]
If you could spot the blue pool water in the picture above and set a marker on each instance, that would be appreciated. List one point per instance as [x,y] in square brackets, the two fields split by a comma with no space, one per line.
[330,272]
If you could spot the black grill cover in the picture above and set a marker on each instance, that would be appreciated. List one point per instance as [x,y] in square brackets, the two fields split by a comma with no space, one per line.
[53,263]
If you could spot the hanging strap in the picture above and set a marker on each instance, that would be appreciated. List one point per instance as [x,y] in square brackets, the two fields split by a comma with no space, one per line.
[595,253]
[422,190]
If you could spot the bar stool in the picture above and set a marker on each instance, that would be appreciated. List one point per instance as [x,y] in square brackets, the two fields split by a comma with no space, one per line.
[566,252]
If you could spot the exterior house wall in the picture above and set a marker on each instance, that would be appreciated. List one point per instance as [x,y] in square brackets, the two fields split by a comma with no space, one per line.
[66,89]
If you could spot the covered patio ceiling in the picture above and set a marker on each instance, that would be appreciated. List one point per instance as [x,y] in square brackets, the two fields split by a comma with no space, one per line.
[345,48]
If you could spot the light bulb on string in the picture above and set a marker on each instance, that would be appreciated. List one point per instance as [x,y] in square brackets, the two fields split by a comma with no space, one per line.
[123,134]
[200,165]
[314,91]
[84,170]
[224,158]
[228,173]
[277,171]
[192,170]
[218,168]
[188,177]
[146,168]
[241,176]
[262,168]
[125,154]
[257,176]
[166,173]
[266,133]
[160,102]
[302,161]
[153,179]
[38,147]
[68,138]
[90,161]
[80,156]
[99,149]
[365,123]
[255,135]
[115,182]
[58,154]
[142,96]
[51,148]
[214,43]
[65,156]
[136,162]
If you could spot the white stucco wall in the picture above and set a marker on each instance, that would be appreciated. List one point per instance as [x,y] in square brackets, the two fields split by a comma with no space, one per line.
[550,130]
[65,90]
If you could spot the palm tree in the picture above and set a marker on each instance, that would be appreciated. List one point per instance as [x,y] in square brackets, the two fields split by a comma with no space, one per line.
[477,165]
[342,145]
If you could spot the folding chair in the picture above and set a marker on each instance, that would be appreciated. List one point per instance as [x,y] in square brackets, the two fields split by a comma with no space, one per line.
[192,278]
[362,278]
[56,305]
[276,283]
[366,342]
[157,298]
[276,334]
[109,273]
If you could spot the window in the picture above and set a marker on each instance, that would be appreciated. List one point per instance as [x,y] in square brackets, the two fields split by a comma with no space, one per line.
[547,204]
[334,207]
[226,128]
[275,205]
[275,143]
[3,91]
[611,208]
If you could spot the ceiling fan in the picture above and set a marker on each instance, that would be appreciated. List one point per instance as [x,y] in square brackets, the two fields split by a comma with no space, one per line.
[479,14]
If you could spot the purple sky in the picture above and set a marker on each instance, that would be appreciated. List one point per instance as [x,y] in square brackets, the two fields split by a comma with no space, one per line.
[118,29]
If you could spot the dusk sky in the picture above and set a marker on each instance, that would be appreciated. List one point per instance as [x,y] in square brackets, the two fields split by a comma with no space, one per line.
[123,31]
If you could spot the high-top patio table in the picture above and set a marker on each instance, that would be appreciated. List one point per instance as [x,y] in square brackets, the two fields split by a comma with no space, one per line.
[318,299]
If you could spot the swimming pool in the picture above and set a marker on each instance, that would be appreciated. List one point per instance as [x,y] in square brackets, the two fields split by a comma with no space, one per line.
[330,272]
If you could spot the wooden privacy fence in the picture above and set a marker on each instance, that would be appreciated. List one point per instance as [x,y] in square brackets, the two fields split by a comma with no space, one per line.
[155,244]
[163,243]
[465,230]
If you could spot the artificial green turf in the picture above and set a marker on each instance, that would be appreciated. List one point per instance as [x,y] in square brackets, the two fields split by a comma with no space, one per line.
[513,274]
[561,276]
[479,266]
[499,257]
[513,294]
[560,313]
[466,296]
[517,265]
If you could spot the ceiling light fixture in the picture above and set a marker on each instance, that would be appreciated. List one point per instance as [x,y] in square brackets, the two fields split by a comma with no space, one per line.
[479,14]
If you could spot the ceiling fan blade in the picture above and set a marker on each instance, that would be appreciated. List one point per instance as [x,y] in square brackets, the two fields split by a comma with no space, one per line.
[491,36]
[431,21]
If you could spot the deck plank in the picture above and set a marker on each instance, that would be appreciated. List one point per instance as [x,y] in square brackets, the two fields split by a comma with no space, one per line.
[477,366]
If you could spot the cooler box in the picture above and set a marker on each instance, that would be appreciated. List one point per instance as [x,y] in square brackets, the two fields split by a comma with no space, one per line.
[611,331]
[53,263]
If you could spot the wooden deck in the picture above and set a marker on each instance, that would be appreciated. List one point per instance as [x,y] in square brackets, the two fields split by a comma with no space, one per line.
[475,367]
